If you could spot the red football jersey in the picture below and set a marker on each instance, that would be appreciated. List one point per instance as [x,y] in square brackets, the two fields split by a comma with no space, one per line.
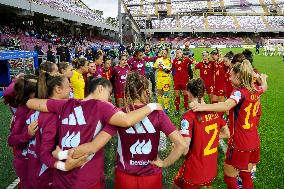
[180,68]
[107,73]
[219,73]
[201,159]
[244,120]
[228,83]
[206,72]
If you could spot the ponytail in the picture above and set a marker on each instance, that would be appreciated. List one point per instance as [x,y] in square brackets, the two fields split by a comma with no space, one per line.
[47,83]
[24,88]
[197,88]
[245,72]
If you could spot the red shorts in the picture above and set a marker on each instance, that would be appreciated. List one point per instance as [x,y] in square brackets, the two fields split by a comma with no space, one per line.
[182,183]
[240,159]
[180,86]
[118,95]
[209,89]
[125,181]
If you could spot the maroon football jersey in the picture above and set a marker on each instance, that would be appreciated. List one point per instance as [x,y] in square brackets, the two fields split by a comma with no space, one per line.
[201,159]
[80,122]
[244,119]
[137,65]
[120,75]
[138,145]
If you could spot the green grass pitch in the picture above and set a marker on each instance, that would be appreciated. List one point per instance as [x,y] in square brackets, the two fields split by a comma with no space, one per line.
[270,170]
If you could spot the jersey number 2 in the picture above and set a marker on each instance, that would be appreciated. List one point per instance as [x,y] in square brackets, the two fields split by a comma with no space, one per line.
[208,150]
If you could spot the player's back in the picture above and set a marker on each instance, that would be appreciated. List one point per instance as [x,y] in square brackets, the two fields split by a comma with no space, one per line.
[201,160]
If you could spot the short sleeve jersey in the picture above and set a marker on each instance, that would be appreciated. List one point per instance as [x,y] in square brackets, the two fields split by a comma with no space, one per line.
[120,75]
[219,72]
[78,84]
[243,119]
[137,65]
[80,122]
[206,72]
[180,70]
[201,160]
[138,145]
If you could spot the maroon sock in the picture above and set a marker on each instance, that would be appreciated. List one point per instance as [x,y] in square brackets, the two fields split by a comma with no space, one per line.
[231,182]
[177,102]
[185,102]
[246,179]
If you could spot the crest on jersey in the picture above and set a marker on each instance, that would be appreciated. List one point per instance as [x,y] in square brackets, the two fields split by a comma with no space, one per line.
[184,127]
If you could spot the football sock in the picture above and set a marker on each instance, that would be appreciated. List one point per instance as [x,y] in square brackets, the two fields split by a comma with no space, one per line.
[231,182]
[177,103]
[247,180]
[185,102]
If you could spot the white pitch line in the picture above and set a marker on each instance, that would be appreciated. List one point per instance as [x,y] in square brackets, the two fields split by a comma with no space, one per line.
[13,184]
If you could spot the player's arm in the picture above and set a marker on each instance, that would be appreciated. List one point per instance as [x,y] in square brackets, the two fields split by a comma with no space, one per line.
[264,85]
[180,148]
[216,107]
[37,104]
[224,132]
[128,119]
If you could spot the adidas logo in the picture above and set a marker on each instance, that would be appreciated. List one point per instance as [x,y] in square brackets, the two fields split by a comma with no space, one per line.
[75,119]
[139,128]
[32,118]
[70,141]
[141,147]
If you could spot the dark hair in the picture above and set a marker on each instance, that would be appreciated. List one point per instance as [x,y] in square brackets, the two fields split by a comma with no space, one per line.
[229,55]
[47,82]
[248,54]
[120,56]
[135,85]
[238,58]
[137,51]
[95,82]
[63,66]
[23,88]
[197,88]
[47,66]
[97,56]
[79,62]
[106,59]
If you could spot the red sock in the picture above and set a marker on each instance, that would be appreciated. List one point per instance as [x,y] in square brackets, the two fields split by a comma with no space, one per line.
[231,182]
[185,102]
[246,179]
[177,102]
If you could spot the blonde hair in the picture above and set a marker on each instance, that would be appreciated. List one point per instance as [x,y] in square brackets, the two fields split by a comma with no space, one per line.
[246,75]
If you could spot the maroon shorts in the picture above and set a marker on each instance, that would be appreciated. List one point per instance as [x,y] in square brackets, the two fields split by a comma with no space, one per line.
[182,183]
[180,86]
[125,181]
[240,159]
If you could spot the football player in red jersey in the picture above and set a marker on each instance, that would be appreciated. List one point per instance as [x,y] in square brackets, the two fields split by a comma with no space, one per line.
[180,76]
[227,61]
[202,132]
[244,143]
[207,73]
[107,71]
[219,79]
